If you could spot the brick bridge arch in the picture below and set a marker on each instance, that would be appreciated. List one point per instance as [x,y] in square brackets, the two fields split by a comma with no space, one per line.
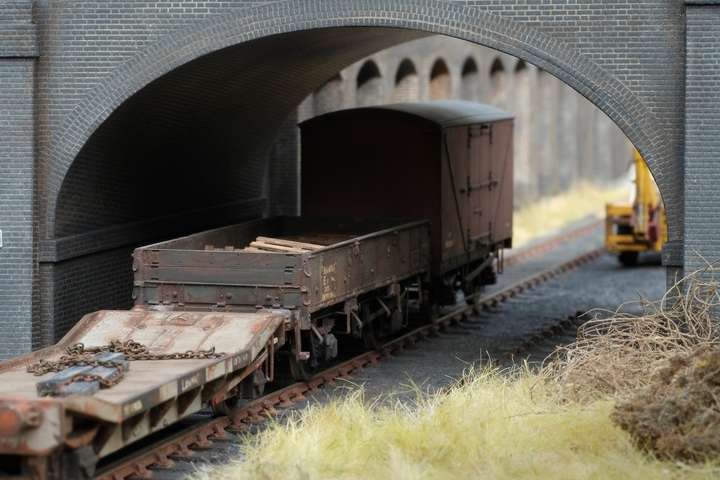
[329,22]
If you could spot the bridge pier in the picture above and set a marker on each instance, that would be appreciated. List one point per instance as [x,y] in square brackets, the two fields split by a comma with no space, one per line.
[702,134]
[18,51]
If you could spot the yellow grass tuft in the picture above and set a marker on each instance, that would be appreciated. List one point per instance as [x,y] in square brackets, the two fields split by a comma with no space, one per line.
[553,213]
[491,425]
[555,424]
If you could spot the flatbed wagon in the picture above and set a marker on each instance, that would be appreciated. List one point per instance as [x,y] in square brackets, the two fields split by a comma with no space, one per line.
[226,350]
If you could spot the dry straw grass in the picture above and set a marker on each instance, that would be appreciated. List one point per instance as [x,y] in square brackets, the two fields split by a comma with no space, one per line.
[492,425]
[677,416]
[556,423]
[617,353]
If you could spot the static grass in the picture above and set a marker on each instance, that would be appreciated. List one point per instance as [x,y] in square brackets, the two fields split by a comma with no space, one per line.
[553,213]
[491,425]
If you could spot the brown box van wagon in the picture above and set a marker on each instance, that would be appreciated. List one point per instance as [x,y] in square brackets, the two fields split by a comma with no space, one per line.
[450,162]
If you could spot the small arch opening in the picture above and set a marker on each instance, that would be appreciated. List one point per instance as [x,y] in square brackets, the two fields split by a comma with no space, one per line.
[496,68]
[407,83]
[369,85]
[498,84]
[521,66]
[522,106]
[439,80]
[470,80]
[469,67]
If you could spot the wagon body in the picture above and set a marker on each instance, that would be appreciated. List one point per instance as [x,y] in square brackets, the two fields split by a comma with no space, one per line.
[220,270]
[449,162]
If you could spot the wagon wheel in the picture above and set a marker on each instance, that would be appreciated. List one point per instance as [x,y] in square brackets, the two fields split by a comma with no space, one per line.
[371,329]
[474,298]
[250,389]
[429,311]
[304,370]
[300,369]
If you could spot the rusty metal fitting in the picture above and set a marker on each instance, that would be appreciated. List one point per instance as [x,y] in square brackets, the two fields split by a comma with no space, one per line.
[16,417]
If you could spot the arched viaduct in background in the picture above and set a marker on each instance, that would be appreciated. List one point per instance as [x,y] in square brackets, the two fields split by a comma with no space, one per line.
[561,139]
[125,122]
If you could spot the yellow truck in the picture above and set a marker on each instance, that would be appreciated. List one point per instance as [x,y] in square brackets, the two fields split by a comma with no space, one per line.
[640,225]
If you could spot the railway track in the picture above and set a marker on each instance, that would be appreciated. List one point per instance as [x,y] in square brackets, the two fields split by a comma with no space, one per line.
[183,444]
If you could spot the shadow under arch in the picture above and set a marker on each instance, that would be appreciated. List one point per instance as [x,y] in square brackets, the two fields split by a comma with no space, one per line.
[405,69]
[398,21]
[469,67]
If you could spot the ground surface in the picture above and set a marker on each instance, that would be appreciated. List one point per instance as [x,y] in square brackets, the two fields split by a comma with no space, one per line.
[496,334]
[603,283]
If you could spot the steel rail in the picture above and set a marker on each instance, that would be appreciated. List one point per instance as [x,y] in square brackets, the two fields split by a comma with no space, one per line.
[180,445]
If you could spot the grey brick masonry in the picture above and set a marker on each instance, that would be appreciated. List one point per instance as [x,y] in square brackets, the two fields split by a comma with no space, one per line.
[702,126]
[122,122]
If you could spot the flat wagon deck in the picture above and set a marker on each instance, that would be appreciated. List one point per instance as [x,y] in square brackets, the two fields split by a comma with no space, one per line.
[151,394]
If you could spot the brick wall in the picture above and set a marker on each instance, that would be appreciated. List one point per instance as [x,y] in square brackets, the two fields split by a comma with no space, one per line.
[702,123]
[16,204]
[634,42]
[18,47]
[221,83]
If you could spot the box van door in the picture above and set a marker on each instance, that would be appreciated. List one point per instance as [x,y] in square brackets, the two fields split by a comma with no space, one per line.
[489,183]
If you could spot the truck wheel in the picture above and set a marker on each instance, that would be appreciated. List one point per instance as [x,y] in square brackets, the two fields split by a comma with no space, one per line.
[63,464]
[227,407]
[628,259]
[370,335]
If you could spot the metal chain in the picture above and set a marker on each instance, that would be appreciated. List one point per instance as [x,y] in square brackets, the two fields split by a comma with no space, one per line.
[88,377]
[79,355]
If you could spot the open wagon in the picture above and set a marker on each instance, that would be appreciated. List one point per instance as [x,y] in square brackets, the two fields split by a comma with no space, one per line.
[345,276]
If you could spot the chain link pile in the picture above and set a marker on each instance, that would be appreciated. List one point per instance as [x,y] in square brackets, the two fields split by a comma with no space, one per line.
[78,355]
